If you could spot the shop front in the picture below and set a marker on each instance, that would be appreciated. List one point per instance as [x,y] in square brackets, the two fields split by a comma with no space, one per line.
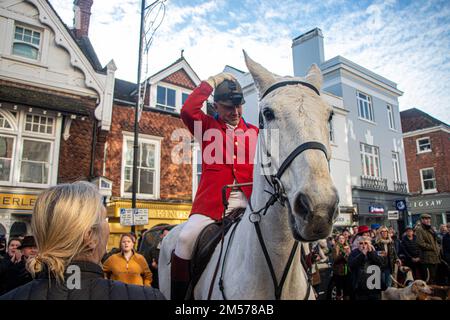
[436,205]
[159,212]
[376,207]
[16,210]
[345,218]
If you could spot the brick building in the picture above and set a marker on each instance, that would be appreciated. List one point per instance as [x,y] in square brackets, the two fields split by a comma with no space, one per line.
[427,150]
[165,187]
[55,102]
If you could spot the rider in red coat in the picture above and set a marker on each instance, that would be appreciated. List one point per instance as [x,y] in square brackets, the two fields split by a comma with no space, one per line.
[228,148]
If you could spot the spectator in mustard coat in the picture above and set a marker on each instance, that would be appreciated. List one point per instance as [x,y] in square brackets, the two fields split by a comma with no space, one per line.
[128,266]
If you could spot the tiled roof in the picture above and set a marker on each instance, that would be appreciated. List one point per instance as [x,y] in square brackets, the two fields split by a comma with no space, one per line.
[86,46]
[123,90]
[415,119]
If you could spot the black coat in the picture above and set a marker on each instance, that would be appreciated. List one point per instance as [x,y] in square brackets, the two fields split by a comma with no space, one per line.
[92,287]
[359,263]
[446,247]
[13,275]
[410,248]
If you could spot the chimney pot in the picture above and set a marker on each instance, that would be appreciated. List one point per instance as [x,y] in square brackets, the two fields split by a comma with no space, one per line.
[82,17]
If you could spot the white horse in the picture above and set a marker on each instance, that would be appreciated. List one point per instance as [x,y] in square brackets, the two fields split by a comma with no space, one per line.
[300,115]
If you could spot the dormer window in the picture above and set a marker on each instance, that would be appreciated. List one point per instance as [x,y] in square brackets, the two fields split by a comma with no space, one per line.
[166,99]
[26,43]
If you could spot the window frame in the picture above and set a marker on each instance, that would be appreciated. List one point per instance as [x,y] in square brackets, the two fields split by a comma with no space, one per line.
[13,157]
[391,119]
[19,134]
[182,94]
[38,47]
[196,152]
[370,108]
[20,160]
[166,107]
[143,138]
[397,171]
[434,190]
[372,156]
[418,145]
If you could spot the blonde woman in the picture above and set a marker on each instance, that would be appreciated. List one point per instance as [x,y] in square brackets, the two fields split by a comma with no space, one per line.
[128,266]
[384,245]
[71,229]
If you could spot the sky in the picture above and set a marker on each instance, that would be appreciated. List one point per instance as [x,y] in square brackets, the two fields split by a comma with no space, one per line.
[407,42]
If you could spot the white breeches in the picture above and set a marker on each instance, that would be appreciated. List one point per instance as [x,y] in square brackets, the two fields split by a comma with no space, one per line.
[196,222]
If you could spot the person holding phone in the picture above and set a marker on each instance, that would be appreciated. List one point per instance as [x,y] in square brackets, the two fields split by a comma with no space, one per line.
[359,261]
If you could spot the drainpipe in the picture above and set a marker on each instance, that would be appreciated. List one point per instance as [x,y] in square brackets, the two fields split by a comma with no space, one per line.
[94,143]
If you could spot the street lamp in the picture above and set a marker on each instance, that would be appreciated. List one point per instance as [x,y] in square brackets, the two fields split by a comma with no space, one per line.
[139,101]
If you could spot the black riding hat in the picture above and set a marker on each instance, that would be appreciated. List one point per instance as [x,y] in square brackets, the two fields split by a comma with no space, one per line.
[229,93]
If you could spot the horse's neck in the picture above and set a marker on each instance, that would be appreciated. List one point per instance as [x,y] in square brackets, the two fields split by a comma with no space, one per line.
[277,238]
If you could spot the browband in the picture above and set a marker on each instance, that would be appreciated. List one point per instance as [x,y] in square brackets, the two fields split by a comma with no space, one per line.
[284,83]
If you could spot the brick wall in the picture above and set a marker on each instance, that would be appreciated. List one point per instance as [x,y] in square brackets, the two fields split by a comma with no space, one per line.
[75,153]
[176,180]
[438,158]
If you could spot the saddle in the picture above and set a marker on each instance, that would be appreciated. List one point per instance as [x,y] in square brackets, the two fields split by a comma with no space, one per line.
[205,245]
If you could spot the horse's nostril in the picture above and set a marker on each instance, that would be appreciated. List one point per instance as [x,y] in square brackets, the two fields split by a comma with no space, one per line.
[303,205]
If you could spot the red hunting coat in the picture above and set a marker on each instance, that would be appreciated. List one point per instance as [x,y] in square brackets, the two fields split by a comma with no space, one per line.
[219,167]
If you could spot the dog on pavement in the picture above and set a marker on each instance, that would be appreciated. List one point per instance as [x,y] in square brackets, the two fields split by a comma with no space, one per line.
[410,292]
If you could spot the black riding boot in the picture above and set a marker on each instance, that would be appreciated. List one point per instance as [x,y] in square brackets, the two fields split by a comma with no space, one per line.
[180,278]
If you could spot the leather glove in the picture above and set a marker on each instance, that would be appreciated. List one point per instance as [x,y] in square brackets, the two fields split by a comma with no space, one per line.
[214,81]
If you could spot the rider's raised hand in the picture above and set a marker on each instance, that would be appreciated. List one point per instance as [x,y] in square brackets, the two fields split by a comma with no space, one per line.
[214,81]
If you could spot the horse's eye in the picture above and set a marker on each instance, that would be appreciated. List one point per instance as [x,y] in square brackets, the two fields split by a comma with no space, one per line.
[268,114]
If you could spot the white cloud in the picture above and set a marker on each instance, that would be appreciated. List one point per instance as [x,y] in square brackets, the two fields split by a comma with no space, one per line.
[406,44]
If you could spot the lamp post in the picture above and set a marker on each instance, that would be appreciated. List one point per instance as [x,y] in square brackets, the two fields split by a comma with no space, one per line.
[142,35]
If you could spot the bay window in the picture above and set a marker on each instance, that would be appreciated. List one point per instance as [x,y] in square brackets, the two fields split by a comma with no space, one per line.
[27,148]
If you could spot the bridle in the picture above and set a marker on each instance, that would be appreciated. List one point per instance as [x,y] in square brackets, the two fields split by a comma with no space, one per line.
[279,194]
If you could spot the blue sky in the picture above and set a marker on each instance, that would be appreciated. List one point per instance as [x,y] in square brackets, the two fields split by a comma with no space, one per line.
[407,42]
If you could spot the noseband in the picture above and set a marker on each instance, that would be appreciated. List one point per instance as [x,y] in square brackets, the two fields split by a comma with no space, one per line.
[279,195]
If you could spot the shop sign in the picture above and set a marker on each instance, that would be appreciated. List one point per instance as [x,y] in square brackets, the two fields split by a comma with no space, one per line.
[17,201]
[400,205]
[376,209]
[393,215]
[343,219]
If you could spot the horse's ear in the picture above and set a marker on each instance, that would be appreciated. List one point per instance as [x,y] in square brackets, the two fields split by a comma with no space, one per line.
[314,76]
[263,78]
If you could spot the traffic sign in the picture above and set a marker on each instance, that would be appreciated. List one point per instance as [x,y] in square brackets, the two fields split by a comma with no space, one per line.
[140,217]
[133,217]
[126,217]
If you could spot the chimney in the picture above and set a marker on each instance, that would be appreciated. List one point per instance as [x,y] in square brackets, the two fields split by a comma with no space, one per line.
[82,17]
[306,50]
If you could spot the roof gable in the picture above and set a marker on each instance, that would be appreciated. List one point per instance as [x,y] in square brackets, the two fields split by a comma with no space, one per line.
[180,78]
[181,64]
